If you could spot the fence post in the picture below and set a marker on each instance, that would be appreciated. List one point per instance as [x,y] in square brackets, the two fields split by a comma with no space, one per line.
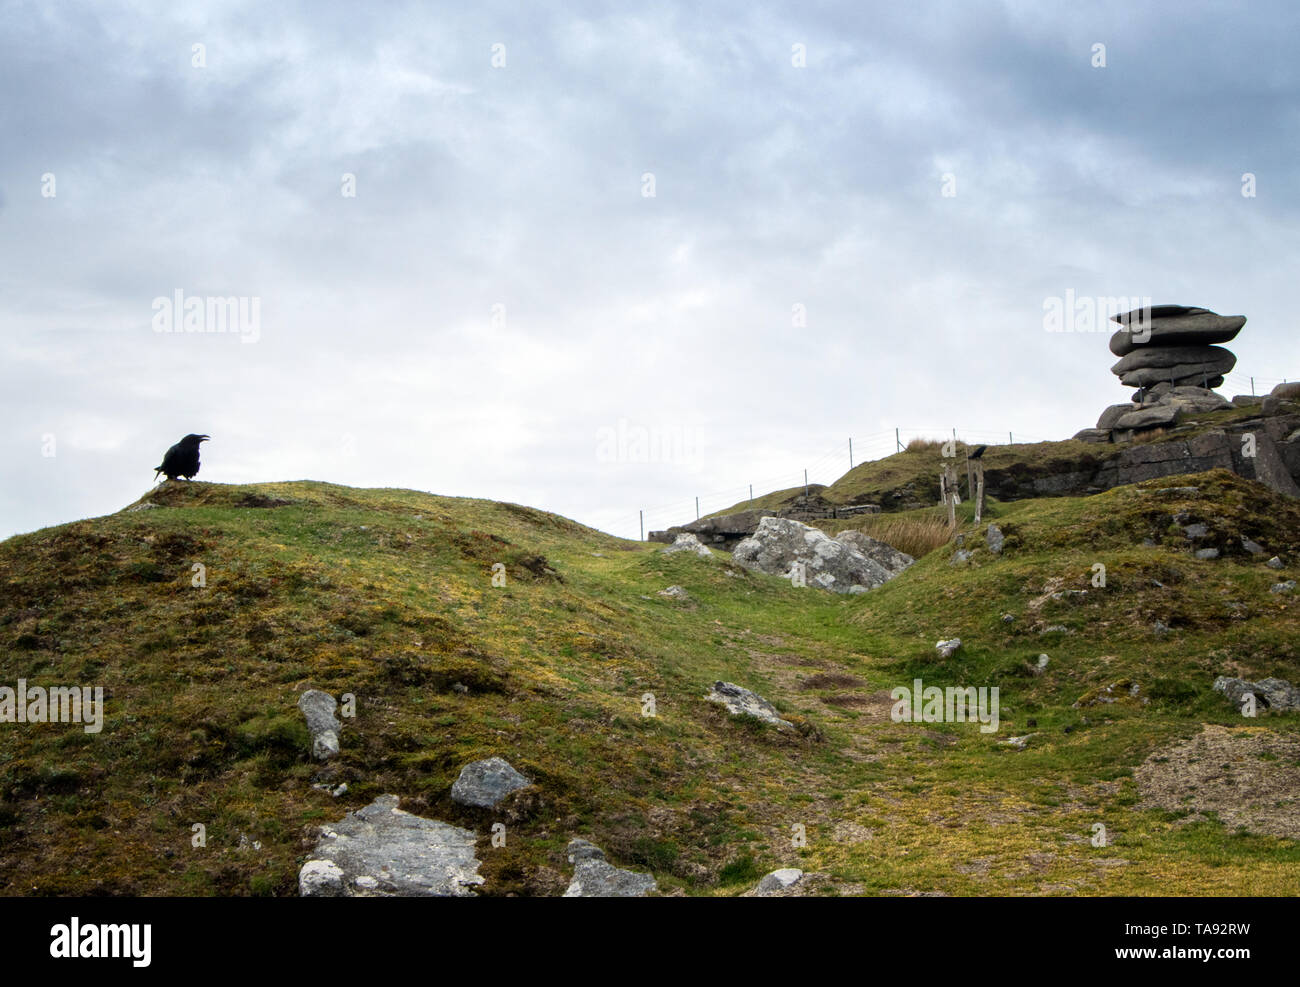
[850,452]
[979,490]
[642,513]
[805,485]
[697,508]
[1011,439]
[751,496]
[898,442]
[1252,387]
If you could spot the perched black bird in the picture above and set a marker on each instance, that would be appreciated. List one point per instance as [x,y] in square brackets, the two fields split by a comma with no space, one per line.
[182,459]
[979,451]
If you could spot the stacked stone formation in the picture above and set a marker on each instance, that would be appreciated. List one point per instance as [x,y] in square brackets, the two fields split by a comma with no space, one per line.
[1174,345]
[1170,353]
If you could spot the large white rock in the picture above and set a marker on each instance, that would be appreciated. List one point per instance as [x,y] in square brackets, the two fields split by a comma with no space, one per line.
[382,852]
[687,542]
[779,545]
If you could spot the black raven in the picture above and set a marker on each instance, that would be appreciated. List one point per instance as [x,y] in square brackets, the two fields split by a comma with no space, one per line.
[182,459]
[979,451]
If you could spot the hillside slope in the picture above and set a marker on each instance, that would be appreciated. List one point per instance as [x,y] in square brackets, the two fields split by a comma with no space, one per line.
[387,594]
[910,478]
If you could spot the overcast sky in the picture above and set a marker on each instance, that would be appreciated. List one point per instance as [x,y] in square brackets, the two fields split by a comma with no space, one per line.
[504,310]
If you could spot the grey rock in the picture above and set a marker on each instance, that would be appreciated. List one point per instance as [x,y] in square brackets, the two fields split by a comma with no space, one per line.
[742,702]
[1194,531]
[318,710]
[687,542]
[1113,414]
[1246,400]
[1274,563]
[959,556]
[1181,375]
[1287,391]
[1193,400]
[1173,325]
[1215,359]
[1178,491]
[485,783]
[1269,467]
[1008,618]
[1275,694]
[1205,554]
[1254,548]
[946,649]
[779,880]
[596,877]
[1285,587]
[675,593]
[779,544]
[381,851]
[890,558]
[1159,416]
[580,849]
[1092,435]
[994,539]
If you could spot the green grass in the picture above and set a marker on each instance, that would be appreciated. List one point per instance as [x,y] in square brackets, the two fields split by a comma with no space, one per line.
[388,595]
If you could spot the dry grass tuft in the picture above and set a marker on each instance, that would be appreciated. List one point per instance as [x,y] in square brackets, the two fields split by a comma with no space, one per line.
[917,536]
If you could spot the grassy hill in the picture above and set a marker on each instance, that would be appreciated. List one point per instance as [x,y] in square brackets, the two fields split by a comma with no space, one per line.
[388,595]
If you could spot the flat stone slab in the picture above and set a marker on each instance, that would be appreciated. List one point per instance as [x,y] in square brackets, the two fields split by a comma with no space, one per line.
[382,852]
[1173,325]
[1159,416]
[485,783]
[1215,358]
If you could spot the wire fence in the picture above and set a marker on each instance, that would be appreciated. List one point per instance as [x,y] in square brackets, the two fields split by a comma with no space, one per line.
[823,469]
[832,463]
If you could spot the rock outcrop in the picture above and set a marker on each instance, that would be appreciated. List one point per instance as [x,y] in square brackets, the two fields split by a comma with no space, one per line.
[1170,354]
[784,547]
[1275,694]
[725,530]
[382,852]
